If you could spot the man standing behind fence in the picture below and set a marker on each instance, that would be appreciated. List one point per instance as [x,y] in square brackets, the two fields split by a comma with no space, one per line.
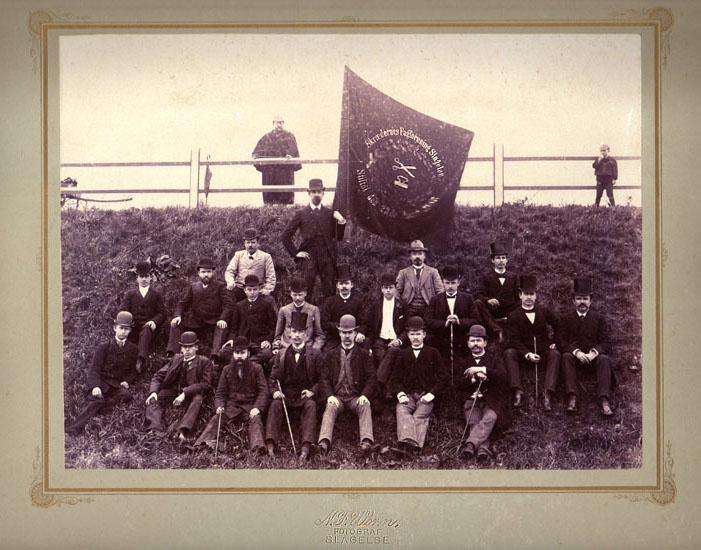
[606,172]
[277,143]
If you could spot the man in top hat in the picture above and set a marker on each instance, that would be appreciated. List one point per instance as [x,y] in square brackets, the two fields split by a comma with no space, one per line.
[418,378]
[313,335]
[148,310]
[387,327]
[277,143]
[487,408]
[296,369]
[418,283]
[111,373]
[498,293]
[250,261]
[528,342]
[241,396]
[584,343]
[345,302]
[606,172]
[207,306]
[452,311]
[320,229]
[183,382]
[255,318]
[348,380]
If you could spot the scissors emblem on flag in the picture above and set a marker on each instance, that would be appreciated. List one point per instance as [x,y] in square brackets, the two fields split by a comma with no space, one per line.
[402,180]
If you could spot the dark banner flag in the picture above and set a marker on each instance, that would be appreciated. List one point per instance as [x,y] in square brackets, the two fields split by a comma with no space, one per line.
[398,169]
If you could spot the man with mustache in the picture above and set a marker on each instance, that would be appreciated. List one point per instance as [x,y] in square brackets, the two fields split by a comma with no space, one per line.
[320,229]
[585,346]
[345,302]
[250,261]
[313,334]
[418,283]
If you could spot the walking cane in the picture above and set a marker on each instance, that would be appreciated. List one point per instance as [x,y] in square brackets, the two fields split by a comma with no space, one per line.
[469,416]
[287,417]
[216,446]
[452,370]
[535,352]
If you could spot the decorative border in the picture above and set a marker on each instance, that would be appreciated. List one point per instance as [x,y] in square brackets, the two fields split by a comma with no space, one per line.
[41,21]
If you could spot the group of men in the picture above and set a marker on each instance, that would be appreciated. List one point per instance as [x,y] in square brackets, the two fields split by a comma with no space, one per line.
[420,339]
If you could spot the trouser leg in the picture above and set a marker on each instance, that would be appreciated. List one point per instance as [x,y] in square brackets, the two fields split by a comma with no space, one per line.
[364,413]
[386,366]
[145,337]
[481,424]
[308,420]
[327,271]
[511,363]
[93,407]
[274,421]
[209,434]
[309,271]
[255,431]
[609,193]
[487,317]
[187,422]
[174,339]
[218,340]
[328,421]
[422,416]
[552,369]
[599,192]
[569,371]
[604,376]
[406,429]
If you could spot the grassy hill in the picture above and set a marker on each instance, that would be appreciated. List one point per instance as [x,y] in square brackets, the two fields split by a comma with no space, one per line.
[556,244]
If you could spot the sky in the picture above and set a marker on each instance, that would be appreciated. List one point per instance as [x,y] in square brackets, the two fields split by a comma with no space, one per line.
[157,97]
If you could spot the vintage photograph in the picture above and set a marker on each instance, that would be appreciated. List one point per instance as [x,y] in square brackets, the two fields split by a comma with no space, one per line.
[351,250]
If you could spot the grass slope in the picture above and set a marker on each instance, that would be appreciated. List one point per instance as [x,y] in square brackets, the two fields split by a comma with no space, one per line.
[556,244]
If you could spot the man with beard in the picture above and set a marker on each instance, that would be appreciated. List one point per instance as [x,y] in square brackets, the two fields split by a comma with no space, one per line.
[277,143]
[187,377]
[241,396]
[313,335]
[296,370]
[250,261]
[207,306]
[528,342]
[345,302]
[489,407]
[418,283]
[320,229]
[584,345]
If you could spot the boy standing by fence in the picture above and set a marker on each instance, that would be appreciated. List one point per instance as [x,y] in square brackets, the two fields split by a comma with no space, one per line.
[606,172]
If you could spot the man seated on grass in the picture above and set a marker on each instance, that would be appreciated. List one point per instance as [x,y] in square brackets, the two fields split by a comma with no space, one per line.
[584,345]
[183,382]
[205,308]
[294,379]
[255,318]
[498,293]
[344,302]
[487,408]
[348,380]
[111,373]
[241,396]
[250,261]
[313,335]
[419,376]
[528,342]
[148,309]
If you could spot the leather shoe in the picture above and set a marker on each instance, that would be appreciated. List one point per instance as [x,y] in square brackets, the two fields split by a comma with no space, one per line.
[304,454]
[270,446]
[324,446]
[518,398]
[366,445]
[483,454]
[606,408]
[469,451]
[547,402]
[572,404]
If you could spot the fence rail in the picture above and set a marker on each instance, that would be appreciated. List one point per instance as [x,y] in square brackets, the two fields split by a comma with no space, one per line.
[498,187]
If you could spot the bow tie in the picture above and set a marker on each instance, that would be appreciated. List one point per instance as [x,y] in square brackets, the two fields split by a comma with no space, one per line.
[251,257]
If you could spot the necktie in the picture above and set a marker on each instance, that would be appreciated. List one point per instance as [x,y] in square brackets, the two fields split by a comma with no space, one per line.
[417,272]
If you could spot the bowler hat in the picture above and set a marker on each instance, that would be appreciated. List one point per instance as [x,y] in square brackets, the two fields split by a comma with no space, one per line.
[250,234]
[188,339]
[347,322]
[450,273]
[297,285]
[299,320]
[124,319]
[143,268]
[582,286]
[343,272]
[251,280]
[498,249]
[205,263]
[417,246]
[388,279]
[240,343]
[478,331]
[527,283]
[316,184]
[415,323]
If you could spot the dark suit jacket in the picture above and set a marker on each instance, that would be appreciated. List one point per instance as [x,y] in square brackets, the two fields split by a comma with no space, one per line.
[250,389]
[112,365]
[399,319]
[197,377]
[334,307]
[422,374]
[494,390]
[362,369]
[144,308]
[520,331]
[206,306]
[507,294]
[438,310]
[591,333]
[293,379]
[255,320]
[313,228]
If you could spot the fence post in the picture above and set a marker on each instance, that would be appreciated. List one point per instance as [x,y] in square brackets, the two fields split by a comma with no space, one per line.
[194,179]
[498,174]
